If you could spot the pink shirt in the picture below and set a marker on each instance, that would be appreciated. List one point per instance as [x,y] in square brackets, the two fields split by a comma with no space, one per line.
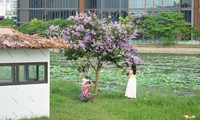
[85,89]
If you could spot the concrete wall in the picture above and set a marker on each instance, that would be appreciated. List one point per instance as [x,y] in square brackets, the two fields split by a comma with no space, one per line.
[24,101]
[24,14]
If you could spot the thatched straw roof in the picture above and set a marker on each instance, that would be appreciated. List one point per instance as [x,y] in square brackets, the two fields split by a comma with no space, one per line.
[10,38]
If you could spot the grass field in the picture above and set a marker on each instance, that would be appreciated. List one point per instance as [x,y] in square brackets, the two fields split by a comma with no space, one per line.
[114,106]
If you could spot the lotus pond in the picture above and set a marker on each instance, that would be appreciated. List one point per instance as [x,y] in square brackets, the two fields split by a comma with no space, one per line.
[177,72]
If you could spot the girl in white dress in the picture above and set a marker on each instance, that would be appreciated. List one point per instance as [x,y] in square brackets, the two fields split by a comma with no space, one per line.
[131,86]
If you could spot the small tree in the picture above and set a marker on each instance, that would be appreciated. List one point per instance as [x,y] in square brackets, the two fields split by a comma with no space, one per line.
[167,26]
[101,40]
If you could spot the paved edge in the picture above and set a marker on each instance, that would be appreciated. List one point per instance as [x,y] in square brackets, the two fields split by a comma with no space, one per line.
[169,50]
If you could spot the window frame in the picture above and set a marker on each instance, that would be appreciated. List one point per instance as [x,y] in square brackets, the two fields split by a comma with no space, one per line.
[15,73]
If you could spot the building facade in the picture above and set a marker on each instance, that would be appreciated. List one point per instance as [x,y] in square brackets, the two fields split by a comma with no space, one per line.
[46,9]
[191,10]
[3,8]
[51,9]
[8,9]
[104,8]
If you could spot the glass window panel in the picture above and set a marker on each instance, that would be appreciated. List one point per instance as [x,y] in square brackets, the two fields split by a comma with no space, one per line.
[62,3]
[149,4]
[124,3]
[22,73]
[166,6]
[186,3]
[73,4]
[187,15]
[110,4]
[138,6]
[36,3]
[32,72]
[158,4]
[39,14]
[6,74]
[173,3]
[92,4]
[41,73]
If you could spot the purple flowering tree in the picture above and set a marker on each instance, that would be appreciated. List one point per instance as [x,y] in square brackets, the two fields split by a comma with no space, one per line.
[100,40]
[53,31]
[138,23]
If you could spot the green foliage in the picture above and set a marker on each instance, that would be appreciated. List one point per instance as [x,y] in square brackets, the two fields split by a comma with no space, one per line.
[196,34]
[36,26]
[7,22]
[167,26]
[126,19]
[24,28]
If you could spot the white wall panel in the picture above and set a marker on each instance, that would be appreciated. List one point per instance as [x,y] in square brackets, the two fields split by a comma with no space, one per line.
[24,55]
[24,101]
[19,101]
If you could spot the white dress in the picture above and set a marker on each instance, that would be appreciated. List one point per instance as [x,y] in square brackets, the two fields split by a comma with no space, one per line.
[131,87]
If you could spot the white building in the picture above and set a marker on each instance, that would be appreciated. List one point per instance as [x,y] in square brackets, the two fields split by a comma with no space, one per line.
[8,8]
[3,8]
[24,74]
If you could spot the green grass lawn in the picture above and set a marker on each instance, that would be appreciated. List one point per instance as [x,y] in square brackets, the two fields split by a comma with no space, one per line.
[114,106]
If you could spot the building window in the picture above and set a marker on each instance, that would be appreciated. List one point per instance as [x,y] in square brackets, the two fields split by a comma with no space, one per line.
[23,73]
[6,74]
[187,15]
[186,3]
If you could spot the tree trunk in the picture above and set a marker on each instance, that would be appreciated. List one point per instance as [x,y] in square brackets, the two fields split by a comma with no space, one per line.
[97,83]
[96,74]
[143,37]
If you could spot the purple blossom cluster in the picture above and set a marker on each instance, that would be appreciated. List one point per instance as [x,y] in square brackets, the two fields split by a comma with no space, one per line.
[106,40]
[53,31]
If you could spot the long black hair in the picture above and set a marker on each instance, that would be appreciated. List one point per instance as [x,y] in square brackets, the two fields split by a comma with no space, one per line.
[133,68]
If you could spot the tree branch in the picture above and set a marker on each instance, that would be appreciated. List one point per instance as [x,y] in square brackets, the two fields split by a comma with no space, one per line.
[88,59]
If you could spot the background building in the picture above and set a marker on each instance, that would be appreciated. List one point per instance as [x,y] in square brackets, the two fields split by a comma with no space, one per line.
[3,8]
[153,6]
[104,8]
[191,9]
[8,8]
[46,9]
[51,9]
